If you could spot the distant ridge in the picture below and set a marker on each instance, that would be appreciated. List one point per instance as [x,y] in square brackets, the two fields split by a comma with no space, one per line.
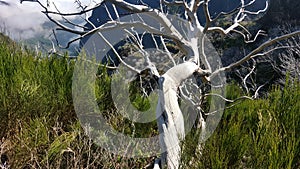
[99,15]
[281,12]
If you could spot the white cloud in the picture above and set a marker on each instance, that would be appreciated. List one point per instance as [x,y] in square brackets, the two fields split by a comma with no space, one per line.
[25,20]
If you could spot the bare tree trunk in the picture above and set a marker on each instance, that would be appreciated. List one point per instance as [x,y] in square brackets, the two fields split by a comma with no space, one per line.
[170,118]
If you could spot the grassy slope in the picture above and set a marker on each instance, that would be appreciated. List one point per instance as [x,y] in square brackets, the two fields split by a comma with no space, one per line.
[40,130]
[256,134]
[38,123]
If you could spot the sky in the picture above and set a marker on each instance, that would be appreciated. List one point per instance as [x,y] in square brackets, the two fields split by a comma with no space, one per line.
[24,21]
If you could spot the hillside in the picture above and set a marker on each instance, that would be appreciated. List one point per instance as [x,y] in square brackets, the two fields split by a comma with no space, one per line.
[281,12]
[39,127]
[5,39]
[100,16]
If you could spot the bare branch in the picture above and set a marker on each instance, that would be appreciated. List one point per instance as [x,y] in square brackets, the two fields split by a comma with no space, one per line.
[207,16]
[117,54]
[240,16]
[66,14]
[248,35]
[130,7]
[196,5]
[256,52]
[176,3]
[259,11]
[228,100]
[168,52]
[247,76]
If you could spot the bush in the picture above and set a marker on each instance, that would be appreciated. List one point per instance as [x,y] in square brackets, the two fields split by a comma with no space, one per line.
[255,134]
[39,127]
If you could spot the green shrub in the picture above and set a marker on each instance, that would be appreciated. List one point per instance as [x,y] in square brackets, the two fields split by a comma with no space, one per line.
[39,127]
[255,134]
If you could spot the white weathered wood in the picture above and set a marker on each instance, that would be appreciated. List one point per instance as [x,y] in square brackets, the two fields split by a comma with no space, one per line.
[170,118]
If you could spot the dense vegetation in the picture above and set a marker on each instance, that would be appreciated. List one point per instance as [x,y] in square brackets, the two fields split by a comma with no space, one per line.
[39,127]
[281,12]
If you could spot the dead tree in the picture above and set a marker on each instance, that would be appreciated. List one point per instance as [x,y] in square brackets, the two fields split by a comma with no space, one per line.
[191,43]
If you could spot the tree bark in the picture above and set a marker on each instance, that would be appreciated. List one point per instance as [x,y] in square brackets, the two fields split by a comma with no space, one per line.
[170,118]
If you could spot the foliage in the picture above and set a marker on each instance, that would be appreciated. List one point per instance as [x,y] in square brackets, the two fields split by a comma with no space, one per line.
[39,127]
[255,134]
